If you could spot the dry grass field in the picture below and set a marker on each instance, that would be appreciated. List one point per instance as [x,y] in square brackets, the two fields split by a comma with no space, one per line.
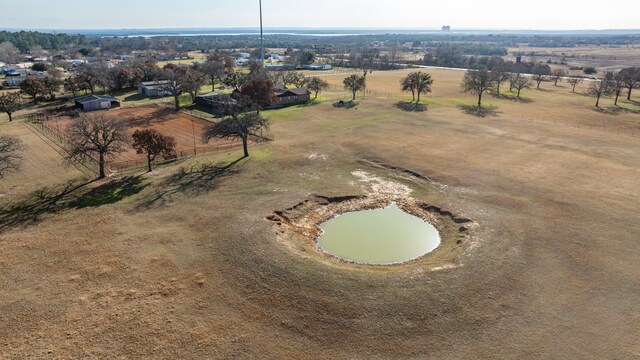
[182,263]
[603,58]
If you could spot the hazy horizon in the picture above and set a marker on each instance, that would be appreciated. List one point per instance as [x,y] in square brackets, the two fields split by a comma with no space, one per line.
[495,15]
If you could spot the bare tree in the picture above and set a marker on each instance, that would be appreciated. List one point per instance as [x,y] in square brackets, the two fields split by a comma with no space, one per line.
[573,82]
[601,87]
[317,85]
[97,135]
[34,87]
[152,143]
[173,85]
[617,85]
[9,53]
[557,76]
[214,70]
[52,85]
[191,81]
[541,73]
[631,78]
[238,124]
[500,74]
[10,155]
[93,76]
[10,103]
[477,82]
[354,83]
[520,82]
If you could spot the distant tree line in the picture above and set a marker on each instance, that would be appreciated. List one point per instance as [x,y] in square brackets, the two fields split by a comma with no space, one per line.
[26,40]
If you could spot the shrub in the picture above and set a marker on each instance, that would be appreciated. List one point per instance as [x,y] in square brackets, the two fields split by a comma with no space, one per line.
[39,67]
[590,70]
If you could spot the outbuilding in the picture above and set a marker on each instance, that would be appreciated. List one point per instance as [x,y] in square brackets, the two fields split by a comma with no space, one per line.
[154,88]
[96,102]
[218,103]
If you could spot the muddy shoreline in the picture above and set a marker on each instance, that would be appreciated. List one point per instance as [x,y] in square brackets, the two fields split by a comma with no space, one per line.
[297,227]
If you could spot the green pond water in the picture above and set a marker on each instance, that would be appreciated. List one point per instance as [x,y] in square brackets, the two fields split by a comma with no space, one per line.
[380,236]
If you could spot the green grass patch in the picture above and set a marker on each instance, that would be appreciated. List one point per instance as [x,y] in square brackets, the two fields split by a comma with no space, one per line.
[344,125]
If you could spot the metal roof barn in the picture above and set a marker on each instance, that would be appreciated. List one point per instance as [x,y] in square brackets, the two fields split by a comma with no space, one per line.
[96,102]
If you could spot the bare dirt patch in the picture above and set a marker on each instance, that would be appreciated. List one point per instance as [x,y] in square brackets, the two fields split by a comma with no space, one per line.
[186,129]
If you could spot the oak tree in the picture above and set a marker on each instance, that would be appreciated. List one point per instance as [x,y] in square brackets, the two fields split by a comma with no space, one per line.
[317,85]
[152,143]
[238,124]
[354,83]
[477,82]
[10,103]
[97,135]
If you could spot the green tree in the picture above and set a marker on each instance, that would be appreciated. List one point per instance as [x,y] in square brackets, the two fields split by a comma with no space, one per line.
[354,83]
[317,85]
[307,57]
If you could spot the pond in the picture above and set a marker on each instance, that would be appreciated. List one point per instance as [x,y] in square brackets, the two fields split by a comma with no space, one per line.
[379,237]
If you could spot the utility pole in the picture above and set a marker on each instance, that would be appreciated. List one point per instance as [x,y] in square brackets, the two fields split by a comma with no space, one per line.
[261,37]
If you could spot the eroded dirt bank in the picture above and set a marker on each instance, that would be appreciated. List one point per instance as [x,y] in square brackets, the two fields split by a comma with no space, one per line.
[297,227]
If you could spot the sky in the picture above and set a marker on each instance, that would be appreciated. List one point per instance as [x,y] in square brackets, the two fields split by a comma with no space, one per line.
[414,14]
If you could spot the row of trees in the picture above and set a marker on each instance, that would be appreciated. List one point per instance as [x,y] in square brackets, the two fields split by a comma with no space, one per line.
[479,82]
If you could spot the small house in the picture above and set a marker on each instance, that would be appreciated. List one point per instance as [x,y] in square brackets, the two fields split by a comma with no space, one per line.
[292,96]
[153,88]
[96,102]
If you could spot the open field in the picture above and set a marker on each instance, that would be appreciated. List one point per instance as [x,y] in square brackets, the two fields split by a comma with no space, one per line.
[42,163]
[186,129]
[182,263]
[603,58]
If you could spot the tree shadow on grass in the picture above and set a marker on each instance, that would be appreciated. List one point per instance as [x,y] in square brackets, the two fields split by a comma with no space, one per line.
[51,200]
[482,112]
[345,104]
[135,97]
[513,98]
[615,110]
[109,193]
[411,106]
[193,181]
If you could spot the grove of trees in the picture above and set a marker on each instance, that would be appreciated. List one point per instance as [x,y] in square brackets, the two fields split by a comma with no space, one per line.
[418,83]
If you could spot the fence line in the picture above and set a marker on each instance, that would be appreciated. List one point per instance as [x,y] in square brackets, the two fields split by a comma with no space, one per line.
[87,162]
[180,155]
